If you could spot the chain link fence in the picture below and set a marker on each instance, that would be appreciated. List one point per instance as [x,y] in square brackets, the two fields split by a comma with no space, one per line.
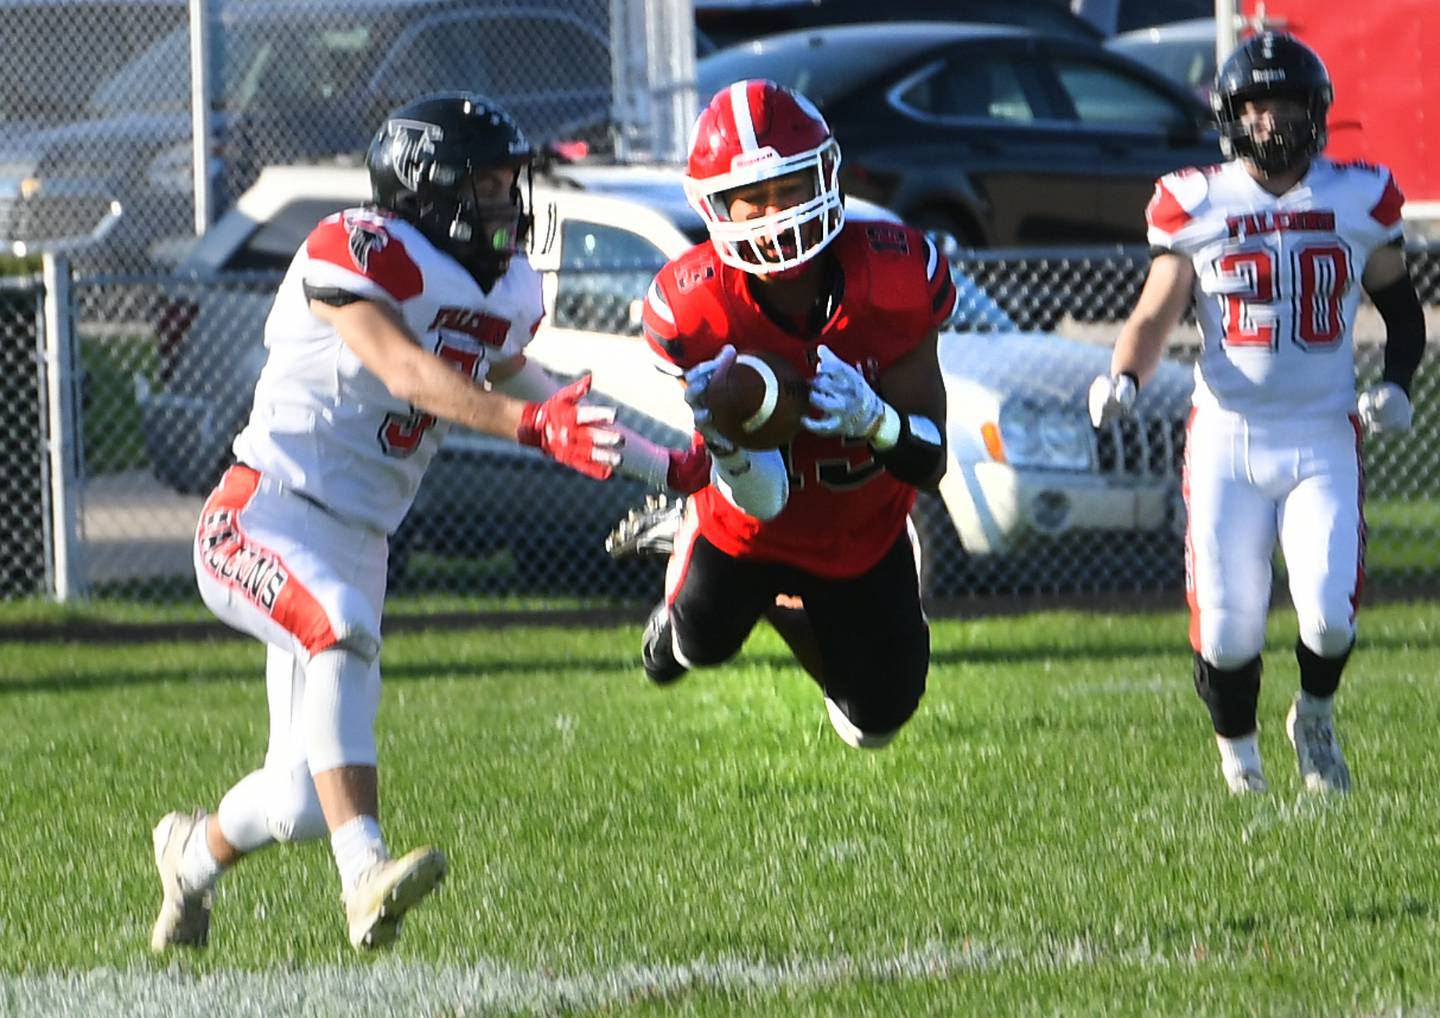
[167,365]
[96,99]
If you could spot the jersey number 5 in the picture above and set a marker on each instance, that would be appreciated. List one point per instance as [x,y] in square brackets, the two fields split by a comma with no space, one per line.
[400,434]
[1317,278]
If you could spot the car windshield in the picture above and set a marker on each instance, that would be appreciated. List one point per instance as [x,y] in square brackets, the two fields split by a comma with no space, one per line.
[314,64]
[819,73]
[1188,62]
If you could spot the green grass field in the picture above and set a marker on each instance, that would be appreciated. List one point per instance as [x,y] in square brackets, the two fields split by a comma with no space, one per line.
[1049,836]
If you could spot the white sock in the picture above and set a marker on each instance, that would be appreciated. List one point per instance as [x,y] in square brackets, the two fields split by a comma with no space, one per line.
[1241,754]
[198,868]
[357,846]
[1315,706]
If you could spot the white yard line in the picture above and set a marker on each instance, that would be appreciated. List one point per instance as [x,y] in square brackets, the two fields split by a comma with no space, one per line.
[393,987]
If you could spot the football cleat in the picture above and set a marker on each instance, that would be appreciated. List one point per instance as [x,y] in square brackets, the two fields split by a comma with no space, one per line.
[184,919]
[657,648]
[648,529]
[1240,764]
[1245,780]
[1317,750]
[375,906]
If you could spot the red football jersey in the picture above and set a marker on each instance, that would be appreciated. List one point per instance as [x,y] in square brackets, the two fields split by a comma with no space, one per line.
[845,510]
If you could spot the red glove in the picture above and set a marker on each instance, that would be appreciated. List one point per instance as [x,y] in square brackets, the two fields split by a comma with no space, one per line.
[689,469]
[578,436]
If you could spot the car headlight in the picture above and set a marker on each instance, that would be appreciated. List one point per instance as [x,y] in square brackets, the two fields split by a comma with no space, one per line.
[1047,437]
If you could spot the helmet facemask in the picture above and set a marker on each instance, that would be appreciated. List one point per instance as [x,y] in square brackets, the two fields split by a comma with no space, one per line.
[1291,140]
[772,244]
[482,233]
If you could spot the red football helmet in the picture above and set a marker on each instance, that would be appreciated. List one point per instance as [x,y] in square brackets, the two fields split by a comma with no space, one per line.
[757,130]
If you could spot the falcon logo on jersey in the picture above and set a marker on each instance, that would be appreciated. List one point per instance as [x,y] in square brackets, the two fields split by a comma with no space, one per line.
[365,237]
[1254,223]
[411,142]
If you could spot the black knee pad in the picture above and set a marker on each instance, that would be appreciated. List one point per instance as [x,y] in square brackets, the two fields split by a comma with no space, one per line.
[1320,676]
[1230,694]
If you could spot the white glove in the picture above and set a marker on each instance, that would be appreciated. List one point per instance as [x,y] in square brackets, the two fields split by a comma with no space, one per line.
[847,405]
[1111,397]
[1385,409]
[697,381]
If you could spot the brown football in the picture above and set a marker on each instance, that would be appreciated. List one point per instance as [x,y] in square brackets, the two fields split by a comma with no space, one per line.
[758,401]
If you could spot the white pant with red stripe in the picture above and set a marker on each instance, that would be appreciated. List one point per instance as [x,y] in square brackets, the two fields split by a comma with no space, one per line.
[312,587]
[281,568]
[1249,482]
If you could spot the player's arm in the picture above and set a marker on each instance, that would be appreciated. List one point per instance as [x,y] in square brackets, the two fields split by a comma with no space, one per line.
[579,437]
[1386,407]
[757,483]
[1163,300]
[640,458]
[1387,280]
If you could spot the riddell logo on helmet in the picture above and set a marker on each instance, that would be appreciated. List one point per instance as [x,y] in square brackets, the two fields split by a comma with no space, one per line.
[1259,74]
[744,159]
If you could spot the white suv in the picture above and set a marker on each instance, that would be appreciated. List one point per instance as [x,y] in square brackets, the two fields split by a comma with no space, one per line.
[1024,462]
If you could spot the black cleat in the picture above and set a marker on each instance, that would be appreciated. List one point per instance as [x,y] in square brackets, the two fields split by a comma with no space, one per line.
[648,529]
[657,649]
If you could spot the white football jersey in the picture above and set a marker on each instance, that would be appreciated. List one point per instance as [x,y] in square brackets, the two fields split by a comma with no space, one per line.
[1277,279]
[322,423]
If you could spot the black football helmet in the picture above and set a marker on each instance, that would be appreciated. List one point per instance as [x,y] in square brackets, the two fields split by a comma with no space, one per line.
[1272,65]
[422,163]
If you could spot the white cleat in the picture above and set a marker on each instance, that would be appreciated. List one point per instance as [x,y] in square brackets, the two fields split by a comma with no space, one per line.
[1245,781]
[1240,764]
[1317,751]
[375,906]
[184,919]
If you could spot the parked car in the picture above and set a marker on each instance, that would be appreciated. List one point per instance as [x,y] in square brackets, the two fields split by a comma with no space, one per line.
[998,136]
[1113,17]
[728,22]
[298,81]
[1183,51]
[46,75]
[1025,465]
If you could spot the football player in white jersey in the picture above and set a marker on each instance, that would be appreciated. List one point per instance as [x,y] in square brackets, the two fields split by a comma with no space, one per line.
[389,325]
[1272,248]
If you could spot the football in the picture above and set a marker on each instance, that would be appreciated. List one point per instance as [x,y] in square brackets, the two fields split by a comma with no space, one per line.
[758,402]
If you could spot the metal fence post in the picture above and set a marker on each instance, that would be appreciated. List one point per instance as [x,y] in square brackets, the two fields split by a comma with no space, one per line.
[200,101]
[62,439]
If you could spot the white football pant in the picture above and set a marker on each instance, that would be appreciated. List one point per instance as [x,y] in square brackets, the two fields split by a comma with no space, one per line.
[1248,482]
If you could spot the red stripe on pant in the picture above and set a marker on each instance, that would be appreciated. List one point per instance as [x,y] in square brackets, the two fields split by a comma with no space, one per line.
[1364,535]
[259,574]
[1192,598]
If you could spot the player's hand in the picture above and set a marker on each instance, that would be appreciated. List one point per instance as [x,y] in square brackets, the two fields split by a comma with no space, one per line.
[1111,397]
[697,381]
[848,406]
[1386,410]
[581,437]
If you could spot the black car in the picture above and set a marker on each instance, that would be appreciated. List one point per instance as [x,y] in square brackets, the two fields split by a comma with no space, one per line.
[727,22]
[1001,137]
[298,80]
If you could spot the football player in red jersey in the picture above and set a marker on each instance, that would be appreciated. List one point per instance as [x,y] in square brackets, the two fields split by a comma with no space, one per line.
[823,522]
[1272,249]
[389,324]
